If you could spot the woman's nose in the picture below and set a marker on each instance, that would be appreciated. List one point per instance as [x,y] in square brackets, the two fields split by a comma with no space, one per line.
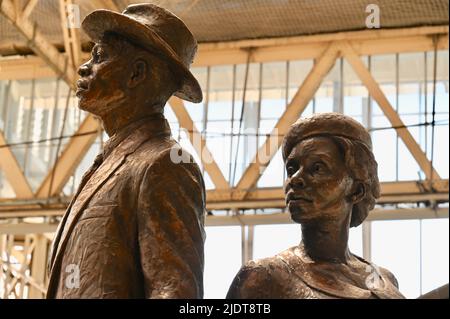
[84,70]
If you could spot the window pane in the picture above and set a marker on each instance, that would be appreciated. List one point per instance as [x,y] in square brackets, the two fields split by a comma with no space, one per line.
[355,243]
[273,95]
[384,143]
[395,246]
[274,174]
[434,253]
[222,259]
[298,70]
[272,239]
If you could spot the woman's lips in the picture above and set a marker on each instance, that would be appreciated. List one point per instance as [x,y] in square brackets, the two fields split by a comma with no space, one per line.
[82,85]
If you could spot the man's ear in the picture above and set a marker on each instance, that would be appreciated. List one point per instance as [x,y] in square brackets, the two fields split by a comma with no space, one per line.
[358,192]
[138,73]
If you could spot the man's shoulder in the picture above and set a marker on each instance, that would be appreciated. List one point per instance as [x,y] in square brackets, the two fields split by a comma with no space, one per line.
[164,156]
[156,145]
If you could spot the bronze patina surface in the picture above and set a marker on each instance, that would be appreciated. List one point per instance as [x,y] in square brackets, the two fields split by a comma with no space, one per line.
[331,185]
[135,228]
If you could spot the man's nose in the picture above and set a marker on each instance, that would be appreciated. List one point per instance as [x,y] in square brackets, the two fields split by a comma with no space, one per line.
[84,70]
[297,180]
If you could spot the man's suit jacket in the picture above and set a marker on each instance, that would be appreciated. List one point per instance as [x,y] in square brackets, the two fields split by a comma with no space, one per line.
[135,228]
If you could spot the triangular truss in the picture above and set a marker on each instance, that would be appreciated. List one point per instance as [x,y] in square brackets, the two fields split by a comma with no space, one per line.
[324,49]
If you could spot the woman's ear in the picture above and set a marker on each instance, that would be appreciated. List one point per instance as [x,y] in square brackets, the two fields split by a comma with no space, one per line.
[358,192]
[138,73]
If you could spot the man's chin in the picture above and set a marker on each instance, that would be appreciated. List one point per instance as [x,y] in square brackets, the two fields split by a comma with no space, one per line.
[298,214]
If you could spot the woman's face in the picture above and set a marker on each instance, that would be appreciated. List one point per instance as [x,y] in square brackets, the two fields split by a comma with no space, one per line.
[318,184]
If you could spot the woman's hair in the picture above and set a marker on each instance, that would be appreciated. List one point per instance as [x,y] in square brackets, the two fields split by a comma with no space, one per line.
[363,168]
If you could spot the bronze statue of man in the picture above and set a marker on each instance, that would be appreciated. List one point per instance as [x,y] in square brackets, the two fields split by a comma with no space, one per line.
[331,185]
[135,227]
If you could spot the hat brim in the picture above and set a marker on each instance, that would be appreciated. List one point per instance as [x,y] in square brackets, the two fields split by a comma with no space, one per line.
[100,21]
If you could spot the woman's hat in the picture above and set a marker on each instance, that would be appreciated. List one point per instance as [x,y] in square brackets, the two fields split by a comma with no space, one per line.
[325,124]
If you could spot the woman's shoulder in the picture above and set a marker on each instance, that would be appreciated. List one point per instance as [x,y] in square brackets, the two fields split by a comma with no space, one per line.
[273,266]
[260,278]
[253,280]
[391,288]
[389,276]
[385,273]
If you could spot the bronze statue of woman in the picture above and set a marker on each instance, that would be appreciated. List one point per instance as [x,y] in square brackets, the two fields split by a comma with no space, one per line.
[331,185]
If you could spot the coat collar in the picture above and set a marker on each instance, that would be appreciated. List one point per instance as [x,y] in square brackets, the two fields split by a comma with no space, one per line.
[140,133]
[150,124]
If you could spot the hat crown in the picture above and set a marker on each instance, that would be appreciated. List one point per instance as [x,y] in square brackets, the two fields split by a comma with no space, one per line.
[154,29]
[325,124]
[168,27]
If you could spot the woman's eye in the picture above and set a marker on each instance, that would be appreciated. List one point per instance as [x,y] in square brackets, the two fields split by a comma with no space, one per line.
[318,167]
[97,56]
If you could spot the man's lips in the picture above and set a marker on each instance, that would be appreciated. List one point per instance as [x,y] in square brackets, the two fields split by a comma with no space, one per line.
[292,196]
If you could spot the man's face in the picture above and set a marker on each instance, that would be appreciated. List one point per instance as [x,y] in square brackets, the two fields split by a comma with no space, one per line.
[317,182]
[102,83]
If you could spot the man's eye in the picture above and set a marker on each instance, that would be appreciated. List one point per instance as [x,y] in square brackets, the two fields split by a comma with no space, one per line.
[290,170]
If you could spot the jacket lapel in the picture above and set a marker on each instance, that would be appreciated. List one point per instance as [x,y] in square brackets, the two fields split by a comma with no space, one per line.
[59,230]
[95,182]
[99,177]
[73,212]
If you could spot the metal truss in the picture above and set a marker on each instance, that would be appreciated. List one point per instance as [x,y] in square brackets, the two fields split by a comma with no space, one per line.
[24,244]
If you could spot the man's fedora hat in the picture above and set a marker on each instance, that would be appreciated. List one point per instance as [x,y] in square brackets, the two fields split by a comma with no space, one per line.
[155,29]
